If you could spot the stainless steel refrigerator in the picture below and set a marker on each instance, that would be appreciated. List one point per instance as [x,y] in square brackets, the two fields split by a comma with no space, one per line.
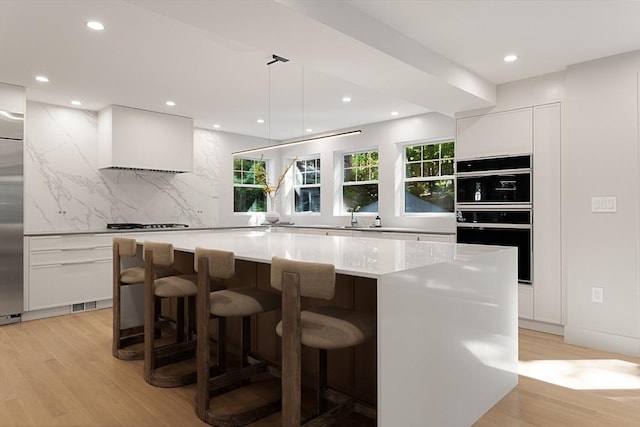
[11,216]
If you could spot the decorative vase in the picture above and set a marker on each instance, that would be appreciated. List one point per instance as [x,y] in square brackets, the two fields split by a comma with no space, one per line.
[272,217]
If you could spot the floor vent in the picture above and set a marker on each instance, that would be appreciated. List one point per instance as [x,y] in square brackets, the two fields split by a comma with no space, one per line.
[77,307]
[91,305]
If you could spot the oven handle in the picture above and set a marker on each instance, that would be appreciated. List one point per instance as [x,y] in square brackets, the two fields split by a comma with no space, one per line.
[520,171]
[492,225]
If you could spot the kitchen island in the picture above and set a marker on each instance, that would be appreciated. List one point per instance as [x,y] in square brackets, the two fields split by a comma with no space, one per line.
[447,344]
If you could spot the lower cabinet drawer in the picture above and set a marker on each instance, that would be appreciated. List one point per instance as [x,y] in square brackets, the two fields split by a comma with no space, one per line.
[69,256]
[443,238]
[65,284]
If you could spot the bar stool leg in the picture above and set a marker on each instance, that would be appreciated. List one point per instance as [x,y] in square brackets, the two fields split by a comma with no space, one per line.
[221,346]
[321,386]
[180,320]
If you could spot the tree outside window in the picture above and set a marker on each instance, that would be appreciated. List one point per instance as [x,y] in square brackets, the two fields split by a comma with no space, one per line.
[360,182]
[307,185]
[428,179]
[248,194]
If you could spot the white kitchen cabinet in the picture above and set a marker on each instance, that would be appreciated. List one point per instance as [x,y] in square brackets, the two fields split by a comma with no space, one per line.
[547,249]
[68,269]
[525,302]
[497,134]
[442,238]
[397,236]
[129,138]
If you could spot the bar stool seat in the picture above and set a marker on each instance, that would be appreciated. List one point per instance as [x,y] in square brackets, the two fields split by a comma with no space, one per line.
[332,328]
[132,275]
[183,285]
[243,302]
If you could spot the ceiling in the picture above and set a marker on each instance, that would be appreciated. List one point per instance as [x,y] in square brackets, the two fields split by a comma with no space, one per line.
[210,57]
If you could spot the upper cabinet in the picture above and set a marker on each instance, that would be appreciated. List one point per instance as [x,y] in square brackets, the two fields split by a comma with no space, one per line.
[498,134]
[137,139]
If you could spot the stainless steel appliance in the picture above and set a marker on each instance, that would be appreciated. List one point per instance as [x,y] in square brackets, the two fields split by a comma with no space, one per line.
[502,228]
[11,216]
[496,180]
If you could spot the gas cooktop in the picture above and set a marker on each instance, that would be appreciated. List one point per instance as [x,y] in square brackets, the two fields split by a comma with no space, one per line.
[133,225]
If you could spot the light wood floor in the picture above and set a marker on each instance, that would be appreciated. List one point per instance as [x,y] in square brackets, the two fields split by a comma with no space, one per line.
[60,372]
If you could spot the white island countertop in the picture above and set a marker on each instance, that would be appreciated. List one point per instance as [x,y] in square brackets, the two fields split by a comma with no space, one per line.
[447,316]
[358,256]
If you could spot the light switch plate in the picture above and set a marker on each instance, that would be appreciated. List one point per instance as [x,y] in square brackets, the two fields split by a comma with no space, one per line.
[605,204]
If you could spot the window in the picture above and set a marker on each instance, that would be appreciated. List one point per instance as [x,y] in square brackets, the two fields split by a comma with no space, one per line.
[428,179]
[248,195]
[360,182]
[306,187]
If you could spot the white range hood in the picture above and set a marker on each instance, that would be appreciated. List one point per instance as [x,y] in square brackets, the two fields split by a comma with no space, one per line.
[130,138]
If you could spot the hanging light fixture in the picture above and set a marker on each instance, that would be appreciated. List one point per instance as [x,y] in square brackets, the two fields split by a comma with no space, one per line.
[302,141]
[276,59]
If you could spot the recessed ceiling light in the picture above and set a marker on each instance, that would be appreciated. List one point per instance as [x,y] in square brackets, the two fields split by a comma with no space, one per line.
[42,79]
[216,126]
[170,103]
[76,102]
[260,121]
[346,99]
[95,25]
[394,113]
[309,130]
[510,58]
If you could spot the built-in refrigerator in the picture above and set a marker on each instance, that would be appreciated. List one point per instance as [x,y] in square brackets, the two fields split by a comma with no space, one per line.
[11,216]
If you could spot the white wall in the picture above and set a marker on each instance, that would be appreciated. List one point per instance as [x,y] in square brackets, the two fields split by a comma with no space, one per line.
[388,138]
[601,158]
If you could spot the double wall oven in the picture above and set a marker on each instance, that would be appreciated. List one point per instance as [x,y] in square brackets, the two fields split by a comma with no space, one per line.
[494,206]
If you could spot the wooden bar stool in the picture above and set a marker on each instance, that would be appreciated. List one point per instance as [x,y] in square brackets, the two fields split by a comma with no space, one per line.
[171,365]
[127,344]
[242,302]
[324,328]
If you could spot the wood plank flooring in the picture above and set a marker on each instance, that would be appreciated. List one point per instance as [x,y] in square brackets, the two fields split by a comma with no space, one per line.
[60,372]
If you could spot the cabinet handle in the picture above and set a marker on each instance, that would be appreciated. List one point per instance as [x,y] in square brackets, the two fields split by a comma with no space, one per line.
[45,266]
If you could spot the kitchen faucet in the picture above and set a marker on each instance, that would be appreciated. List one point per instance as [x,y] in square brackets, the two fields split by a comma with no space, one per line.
[354,220]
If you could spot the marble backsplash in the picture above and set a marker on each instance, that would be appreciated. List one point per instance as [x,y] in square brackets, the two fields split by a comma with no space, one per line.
[65,190]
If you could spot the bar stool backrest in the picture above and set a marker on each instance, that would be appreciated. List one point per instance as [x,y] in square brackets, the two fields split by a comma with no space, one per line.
[162,253]
[317,280]
[221,263]
[126,247]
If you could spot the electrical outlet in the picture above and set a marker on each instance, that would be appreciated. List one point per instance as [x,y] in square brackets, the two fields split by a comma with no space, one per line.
[597,294]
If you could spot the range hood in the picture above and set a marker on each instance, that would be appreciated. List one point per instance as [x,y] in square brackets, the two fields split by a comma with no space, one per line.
[135,139]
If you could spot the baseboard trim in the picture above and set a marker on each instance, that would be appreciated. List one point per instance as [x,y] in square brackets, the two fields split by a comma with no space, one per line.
[602,341]
[549,328]
[63,310]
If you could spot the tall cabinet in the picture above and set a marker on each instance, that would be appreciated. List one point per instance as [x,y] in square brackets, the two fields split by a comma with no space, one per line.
[533,130]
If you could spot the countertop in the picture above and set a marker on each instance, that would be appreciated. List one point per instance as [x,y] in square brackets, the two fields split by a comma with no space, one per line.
[366,228]
[359,256]
[237,227]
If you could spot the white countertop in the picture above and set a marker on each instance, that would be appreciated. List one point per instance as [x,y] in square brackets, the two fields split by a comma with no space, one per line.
[359,256]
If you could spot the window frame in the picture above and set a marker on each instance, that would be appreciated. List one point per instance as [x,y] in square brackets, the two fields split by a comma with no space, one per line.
[405,180]
[243,185]
[317,159]
[344,210]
